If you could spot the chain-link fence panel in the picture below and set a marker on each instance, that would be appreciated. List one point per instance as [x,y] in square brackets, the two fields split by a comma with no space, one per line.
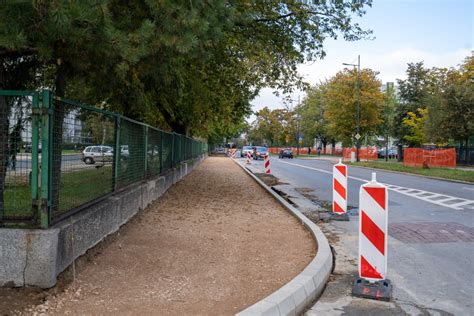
[132,152]
[16,157]
[58,156]
[81,155]
[167,155]
[153,152]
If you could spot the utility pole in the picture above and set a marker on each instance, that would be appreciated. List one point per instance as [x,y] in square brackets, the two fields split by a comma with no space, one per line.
[357,136]
[298,130]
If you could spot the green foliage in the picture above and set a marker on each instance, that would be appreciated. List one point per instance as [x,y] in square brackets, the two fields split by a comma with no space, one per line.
[274,128]
[313,121]
[341,109]
[189,66]
[446,97]
[415,124]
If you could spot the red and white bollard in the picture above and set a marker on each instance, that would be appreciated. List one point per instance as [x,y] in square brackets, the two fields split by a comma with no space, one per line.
[339,192]
[266,162]
[249,157]
[339,188]
[373,234]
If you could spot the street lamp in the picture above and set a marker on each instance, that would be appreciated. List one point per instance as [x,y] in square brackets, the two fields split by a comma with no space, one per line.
[357,136]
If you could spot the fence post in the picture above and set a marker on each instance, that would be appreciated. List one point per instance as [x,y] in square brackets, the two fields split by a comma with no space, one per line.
[117,153]
[35,118]
[172,151]
[161,151]
[46,129]
[145,142]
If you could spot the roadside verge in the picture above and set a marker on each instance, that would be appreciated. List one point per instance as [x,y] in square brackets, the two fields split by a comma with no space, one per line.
[295,296]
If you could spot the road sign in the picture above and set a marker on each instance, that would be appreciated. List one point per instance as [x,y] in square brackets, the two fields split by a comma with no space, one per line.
[357,136]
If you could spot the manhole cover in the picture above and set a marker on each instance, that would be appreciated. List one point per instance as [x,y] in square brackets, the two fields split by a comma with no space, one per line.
[431,232]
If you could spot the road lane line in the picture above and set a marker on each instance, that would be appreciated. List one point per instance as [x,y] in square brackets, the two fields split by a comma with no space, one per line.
[404,191]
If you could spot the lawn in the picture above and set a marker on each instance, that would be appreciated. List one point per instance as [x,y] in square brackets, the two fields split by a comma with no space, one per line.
[77,187]
[445,173]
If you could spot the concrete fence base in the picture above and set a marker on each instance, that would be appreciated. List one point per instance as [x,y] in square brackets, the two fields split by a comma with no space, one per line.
[35,257]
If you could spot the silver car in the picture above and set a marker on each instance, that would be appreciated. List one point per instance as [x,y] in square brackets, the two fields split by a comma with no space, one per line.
[100,153]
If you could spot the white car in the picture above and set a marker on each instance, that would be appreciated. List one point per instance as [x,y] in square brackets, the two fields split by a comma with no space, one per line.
[100,153]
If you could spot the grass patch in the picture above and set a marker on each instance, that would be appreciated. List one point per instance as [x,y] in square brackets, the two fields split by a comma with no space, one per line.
[445,173]
[17,199]
[76,188]
[79,187]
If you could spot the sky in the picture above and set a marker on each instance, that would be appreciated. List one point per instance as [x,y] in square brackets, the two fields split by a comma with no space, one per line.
[438,32]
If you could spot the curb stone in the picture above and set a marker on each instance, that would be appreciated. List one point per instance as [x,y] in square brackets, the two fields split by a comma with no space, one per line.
[298,294]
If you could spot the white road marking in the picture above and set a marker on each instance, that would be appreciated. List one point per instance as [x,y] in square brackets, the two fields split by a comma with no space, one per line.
[406,191]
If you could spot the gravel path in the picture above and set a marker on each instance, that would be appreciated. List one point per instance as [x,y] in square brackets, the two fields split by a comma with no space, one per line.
[212,245]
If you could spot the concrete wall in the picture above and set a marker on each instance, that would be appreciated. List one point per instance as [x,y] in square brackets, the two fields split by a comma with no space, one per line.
[35,257]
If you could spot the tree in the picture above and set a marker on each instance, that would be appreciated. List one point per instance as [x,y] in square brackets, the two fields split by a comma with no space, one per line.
[412,94]
[313,121]
[415,124]
[341,100]
[458,108]
[390,105]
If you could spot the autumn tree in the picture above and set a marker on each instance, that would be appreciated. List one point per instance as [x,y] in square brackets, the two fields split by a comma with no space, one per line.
[341,100]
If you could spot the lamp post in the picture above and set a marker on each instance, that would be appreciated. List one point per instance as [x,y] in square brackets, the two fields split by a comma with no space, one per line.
[357,136]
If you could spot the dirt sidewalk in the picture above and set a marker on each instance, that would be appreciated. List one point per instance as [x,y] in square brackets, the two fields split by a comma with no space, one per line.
[212,245]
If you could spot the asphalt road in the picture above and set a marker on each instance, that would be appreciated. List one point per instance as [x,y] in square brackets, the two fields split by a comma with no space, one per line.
[431,232]
[67,161]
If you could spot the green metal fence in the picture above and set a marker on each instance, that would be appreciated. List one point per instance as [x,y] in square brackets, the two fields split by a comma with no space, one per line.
[58,156]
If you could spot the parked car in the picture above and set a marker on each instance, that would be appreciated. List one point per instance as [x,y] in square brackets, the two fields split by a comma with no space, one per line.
[245,150]
[259,152]
[288,153]
[124,153]
[392,153]
[28,148]
[100,153]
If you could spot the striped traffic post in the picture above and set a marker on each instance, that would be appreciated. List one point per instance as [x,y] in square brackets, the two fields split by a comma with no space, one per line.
[373,221]
[339,192]
[266,161]
[248,157]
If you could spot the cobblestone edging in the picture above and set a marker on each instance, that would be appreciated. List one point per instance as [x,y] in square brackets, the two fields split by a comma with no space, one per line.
[298,294]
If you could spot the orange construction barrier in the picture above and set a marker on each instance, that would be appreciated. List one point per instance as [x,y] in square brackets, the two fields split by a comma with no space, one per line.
[419,157]
[365,153]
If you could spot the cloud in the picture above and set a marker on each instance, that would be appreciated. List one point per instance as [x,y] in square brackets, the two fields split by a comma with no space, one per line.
[391,65]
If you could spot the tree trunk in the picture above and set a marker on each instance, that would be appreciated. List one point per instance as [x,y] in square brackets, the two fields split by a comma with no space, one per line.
[58,119]
[400,152]
[4,114]
[466,151]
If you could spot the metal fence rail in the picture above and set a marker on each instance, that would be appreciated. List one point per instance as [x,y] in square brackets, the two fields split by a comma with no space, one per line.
[58,156]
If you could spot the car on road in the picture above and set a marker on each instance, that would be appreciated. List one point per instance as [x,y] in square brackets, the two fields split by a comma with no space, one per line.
[259,152]
[286,153]
[99,153]
[245,150]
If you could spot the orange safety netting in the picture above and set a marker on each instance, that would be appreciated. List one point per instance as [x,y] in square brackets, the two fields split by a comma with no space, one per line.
[366,153]
[418,157]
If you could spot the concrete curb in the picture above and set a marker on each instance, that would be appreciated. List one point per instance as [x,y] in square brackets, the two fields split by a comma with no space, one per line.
[295,296]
